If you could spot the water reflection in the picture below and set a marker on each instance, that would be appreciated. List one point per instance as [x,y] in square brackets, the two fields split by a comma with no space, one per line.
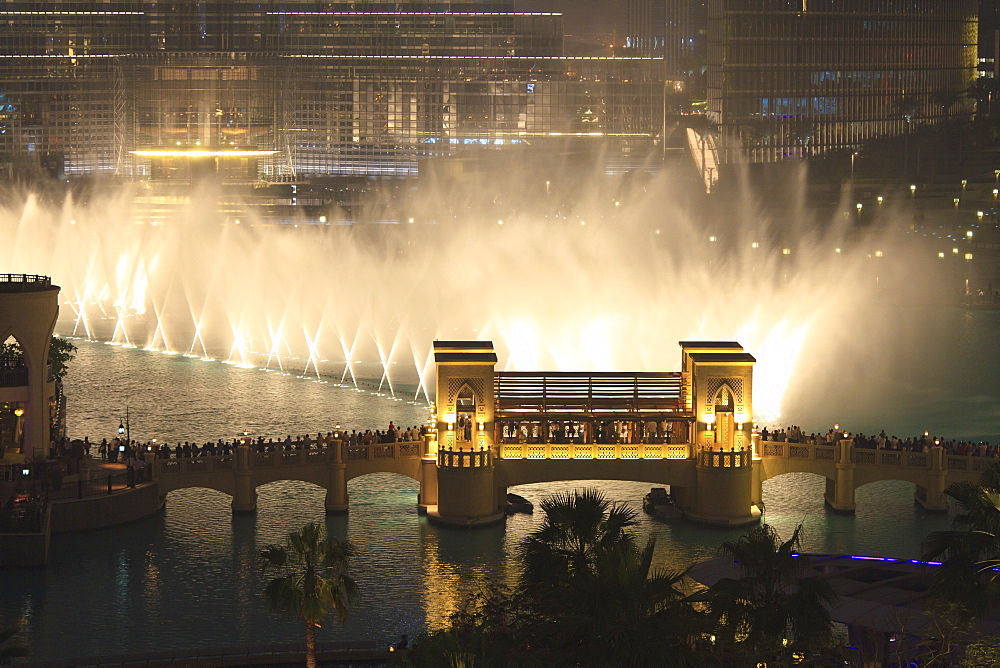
[187,577]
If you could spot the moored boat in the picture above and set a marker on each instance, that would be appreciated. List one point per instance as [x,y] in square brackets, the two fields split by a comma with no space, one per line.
[660,505]
[518,504]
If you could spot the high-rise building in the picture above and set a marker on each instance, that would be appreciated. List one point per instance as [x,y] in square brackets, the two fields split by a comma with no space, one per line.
[989,38]
[674,29]
[798,77]
[286,89]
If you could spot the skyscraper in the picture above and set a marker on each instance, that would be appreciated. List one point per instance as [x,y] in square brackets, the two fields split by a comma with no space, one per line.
[286,89]
[674,29]
[798,77]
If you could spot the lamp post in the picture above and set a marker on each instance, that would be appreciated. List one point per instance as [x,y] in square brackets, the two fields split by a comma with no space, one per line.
[853,156]
[125,428]
[18,429]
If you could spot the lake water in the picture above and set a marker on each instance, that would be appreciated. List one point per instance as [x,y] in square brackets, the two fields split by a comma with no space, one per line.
[187,577]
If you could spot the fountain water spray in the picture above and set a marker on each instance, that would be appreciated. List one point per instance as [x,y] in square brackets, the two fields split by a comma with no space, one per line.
[366,301]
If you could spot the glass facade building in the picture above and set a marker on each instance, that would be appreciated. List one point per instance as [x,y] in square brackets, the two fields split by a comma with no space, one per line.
[798,77]
[290,89]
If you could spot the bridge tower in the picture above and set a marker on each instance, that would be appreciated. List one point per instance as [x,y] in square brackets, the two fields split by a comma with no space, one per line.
[718,380]
[467,494]
[29,306]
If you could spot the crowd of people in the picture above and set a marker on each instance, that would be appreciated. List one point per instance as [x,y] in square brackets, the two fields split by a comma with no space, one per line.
[881,441]
[118,450]
[22,513]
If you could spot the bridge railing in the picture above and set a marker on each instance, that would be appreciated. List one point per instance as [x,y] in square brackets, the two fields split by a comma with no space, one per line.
[968,463]
[464,458]
[870,457]
[195,464]
[376,451]
[279,458]
[804,451]
[594,451]
[725,460]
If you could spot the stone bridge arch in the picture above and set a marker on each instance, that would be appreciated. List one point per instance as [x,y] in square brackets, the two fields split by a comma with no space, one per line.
[223,484]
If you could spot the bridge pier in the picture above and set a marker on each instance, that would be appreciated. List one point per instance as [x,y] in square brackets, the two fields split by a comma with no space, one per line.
[336,487]
[723,493]
[932,497]
[428,496]
[840,491]
[469,496]
[245,493]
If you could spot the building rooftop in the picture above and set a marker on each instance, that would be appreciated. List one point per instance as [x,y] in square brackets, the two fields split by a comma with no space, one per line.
[878,593]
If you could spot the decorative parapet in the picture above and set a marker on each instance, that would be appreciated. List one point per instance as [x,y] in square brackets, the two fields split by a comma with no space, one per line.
[24,283]
[868,457]
[464,458]
[280,458]
[594,451]
[725,459]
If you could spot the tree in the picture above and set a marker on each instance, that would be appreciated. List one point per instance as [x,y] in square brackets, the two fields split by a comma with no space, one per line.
[588,596]
[312,580]
[970,551]
[759,132]
[773,611]
[599,597]
[983,91]
[576,528]
[496,626]
[625,612]
[61,353]
[946,99]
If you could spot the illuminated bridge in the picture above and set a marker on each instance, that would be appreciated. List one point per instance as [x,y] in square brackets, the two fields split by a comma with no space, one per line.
[691,430]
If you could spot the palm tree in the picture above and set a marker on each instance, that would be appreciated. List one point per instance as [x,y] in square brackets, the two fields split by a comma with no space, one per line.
[970,551]
[600,599]
[759,132]
[983,91]
[946,99]
[773,610]
[312,580]
[576,528]
[625,612]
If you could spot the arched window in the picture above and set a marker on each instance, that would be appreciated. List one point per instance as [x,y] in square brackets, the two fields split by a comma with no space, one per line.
[465,409]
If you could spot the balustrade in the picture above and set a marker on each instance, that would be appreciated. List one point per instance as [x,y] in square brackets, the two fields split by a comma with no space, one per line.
[564,451]
[309,457]
[867,457]
[464,458]
[728,459]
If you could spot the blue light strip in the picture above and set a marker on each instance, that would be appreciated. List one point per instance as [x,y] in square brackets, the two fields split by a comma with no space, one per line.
[864,558]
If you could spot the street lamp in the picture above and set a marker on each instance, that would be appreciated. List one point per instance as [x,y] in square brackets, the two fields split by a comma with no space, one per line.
[853,156]
[18,429]
[125,428]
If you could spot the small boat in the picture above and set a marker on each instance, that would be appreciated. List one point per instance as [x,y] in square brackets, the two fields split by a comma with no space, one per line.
[660,505]
[518,504]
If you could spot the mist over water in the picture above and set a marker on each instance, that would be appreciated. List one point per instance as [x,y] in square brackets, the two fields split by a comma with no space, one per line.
[601,274]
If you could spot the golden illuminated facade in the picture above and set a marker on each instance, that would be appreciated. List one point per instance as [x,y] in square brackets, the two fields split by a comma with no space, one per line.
[304,88]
